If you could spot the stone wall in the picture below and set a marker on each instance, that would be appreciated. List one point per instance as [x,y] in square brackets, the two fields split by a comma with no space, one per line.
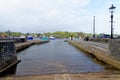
[16,40]
[100,53]
[114,47]
[105,40]
[7,53]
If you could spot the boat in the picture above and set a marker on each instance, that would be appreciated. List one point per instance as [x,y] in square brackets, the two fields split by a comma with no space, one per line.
[44,38]
[30,38]
[52,38]
[66,40]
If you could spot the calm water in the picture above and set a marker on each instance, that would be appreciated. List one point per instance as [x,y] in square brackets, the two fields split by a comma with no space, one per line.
[56,56]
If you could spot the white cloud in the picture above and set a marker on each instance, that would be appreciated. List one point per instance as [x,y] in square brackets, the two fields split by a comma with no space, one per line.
[39,15]
[54,15]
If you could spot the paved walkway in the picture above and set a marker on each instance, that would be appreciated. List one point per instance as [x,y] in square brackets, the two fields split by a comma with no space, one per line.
[100,44]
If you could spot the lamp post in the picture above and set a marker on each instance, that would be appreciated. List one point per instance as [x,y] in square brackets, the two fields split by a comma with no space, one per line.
[93,26]
[112,8]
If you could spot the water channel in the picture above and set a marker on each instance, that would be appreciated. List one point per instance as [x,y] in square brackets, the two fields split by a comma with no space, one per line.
[56,56]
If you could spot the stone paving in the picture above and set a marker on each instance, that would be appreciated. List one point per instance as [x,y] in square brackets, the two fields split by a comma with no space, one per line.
[99,44]
[103,45]
[84,76]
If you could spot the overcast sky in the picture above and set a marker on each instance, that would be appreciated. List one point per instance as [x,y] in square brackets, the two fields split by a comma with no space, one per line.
[58,15]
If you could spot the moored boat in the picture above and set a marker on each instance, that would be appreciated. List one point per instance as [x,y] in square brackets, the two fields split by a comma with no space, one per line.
[52,38]
[30,38]
[44,38]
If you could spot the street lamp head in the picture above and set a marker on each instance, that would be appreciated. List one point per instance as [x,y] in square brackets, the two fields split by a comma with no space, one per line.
[112,8]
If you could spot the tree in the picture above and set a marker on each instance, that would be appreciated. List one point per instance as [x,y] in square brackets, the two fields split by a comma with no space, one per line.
[15,34]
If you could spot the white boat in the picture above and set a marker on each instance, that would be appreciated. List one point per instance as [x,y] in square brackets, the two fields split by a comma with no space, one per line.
[52,38]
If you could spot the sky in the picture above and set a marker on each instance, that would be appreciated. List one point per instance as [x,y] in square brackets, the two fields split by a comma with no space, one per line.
[39,16]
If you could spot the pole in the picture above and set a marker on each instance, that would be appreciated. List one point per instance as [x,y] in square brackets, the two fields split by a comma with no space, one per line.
[93,26]
[111,26]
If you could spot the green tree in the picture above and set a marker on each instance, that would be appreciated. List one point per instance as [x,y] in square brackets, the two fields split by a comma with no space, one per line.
[15,34]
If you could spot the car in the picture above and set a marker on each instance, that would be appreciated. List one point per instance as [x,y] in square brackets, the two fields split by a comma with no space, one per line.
[104,36]
[118,37]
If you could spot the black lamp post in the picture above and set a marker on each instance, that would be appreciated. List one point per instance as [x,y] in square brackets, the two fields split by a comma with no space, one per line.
[112,8]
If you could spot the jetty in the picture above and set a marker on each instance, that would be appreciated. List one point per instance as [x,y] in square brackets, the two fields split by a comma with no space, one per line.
[24,45]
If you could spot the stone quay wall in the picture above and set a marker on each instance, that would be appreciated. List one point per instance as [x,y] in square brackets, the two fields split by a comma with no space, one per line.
[7,53]
[114,47]
[100,53]
[24,45]
[16,40]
